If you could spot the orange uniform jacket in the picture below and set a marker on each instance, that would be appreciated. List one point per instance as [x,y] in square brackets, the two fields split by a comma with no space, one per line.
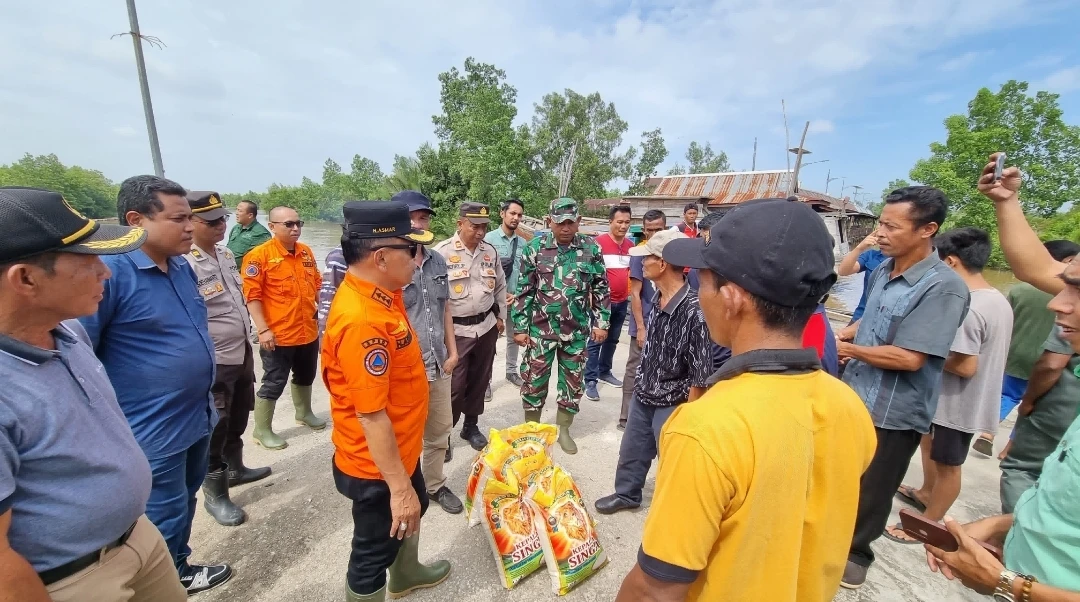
[288,286]
[371,361]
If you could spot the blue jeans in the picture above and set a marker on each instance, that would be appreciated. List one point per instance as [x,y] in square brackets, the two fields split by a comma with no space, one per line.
[640,445]
[171,507]
[602,354]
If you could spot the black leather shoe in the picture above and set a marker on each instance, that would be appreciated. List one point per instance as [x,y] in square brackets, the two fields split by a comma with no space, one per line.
[472,434]
[449,502]
[613,503]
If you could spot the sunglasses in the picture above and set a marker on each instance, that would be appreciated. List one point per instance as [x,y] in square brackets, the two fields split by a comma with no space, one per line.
[411,247]
[291,224]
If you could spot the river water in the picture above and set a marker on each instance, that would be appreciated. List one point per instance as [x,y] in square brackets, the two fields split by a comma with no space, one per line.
[324,236]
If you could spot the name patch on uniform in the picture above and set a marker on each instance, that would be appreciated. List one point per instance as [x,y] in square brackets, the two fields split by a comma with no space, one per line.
[252,270]
[375,341]
[404,341]
[309,264]
[376,362]
[383,298]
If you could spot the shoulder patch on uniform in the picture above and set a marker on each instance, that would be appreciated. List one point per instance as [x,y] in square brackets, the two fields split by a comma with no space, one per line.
[375,341]
[404,341]
[382,297]
[376,362]
[197,255]
[251,270]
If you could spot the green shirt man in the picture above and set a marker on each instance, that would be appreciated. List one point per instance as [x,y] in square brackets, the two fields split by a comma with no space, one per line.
[562,298]
[248,233]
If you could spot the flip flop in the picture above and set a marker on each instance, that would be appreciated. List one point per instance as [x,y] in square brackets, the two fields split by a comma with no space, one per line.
[906,494]
[984,446]
[898,539]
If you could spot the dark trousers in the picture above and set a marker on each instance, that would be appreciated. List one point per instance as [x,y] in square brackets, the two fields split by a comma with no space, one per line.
[301,360]
[171,506]
[630,379]
[472,375]
[640,445]
[234,398]
[373,550]
[602,354]
[877,487]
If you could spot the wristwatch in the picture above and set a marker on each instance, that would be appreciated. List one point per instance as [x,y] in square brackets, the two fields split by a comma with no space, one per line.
[1004,590]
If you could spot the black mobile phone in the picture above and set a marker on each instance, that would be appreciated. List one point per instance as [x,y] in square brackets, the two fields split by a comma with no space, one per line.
[999,166]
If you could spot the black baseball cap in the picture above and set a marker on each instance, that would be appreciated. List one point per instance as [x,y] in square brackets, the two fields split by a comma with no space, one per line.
[381,219]
[415,201]
[776,249]
[206,205]
[41,221]
[476,213]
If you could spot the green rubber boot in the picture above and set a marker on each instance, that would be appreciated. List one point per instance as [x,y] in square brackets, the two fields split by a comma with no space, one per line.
[564,419]
[378,596]
[301,401]
[533,414]
[407,574]
[264,433]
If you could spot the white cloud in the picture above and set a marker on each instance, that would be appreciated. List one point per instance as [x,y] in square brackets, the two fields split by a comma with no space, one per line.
[279,86]
[960,62]
[936,98]
[1064,80]
[822,126]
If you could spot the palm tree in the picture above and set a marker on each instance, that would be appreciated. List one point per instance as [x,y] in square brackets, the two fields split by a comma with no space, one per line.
[406,174]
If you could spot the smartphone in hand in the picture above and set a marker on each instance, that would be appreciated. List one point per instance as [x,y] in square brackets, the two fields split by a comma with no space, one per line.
[999,166]
[935,533]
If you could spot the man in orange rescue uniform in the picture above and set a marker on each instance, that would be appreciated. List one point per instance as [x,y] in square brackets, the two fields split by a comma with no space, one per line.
[281,286]
[378,385]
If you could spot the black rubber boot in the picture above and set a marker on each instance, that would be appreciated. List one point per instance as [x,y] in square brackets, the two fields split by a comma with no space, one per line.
[216,499]
[240,474]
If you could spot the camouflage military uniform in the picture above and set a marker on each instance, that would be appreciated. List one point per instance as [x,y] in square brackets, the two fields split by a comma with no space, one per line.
[562,294]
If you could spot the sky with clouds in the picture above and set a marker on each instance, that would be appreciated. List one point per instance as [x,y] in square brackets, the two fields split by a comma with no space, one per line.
[248,93]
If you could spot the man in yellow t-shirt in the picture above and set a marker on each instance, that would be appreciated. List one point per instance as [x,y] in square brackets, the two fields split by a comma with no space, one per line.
[758,484]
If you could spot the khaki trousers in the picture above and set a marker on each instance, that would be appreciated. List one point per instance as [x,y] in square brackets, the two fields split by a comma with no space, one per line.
[439,421]
[141,570]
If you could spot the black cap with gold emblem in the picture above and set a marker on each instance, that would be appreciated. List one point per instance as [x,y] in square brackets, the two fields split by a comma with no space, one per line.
[477,213]
[206,205]
[381,219]
[40,221]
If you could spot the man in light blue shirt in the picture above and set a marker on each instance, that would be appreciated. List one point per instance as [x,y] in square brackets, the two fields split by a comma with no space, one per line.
[151,333]
[509,244]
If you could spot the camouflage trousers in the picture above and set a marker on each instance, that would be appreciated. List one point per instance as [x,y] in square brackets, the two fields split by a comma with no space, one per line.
[539,361]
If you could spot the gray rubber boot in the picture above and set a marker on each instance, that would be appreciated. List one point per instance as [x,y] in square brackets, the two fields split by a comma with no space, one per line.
[533,414]
[407,574]
[264,433]
[216,500]
[378,596]
[564,419]
[301,401]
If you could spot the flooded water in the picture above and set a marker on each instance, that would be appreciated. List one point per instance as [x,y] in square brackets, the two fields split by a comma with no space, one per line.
[324,236]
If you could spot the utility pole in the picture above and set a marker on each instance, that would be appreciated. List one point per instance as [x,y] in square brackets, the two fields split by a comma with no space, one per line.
[753,164]
[829,180]
[148,108]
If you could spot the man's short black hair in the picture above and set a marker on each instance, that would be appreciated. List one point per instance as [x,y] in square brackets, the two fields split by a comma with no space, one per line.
[617,209]
[970,245]
[356,250]
[709,220]
[506,204]
[652,215]
[688,207]
[140,194]
[1062,249]
[788,320]
[928,204]
[253,207]
[45,261]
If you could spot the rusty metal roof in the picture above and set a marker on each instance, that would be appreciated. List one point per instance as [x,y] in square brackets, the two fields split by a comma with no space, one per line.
[832,203]
[726,188]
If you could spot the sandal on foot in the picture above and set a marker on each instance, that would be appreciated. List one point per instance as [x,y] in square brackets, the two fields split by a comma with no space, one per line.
[906,494]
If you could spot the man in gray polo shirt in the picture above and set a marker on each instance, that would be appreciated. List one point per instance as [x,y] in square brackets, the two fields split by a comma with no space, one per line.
[73,480]
[915,306]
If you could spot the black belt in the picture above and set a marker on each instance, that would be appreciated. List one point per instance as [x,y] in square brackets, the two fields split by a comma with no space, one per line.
[63,572]
[478,318]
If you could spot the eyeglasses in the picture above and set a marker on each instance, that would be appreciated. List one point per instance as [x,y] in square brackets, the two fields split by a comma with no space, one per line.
[411,247]
[291,224]
[213,222]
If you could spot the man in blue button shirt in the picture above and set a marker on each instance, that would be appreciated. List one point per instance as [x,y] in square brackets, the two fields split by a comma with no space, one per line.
[73,483]
[151,332]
